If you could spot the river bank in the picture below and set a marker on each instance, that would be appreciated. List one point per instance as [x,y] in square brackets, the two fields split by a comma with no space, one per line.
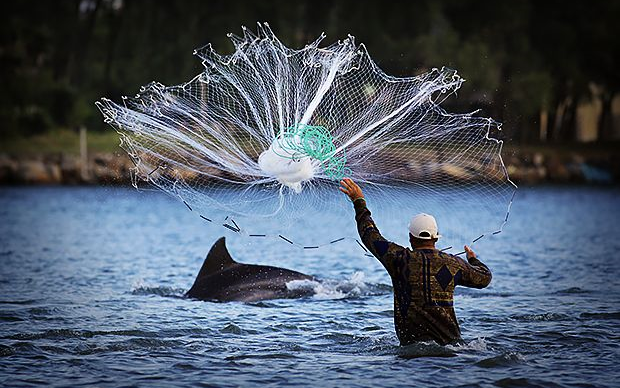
[113,168]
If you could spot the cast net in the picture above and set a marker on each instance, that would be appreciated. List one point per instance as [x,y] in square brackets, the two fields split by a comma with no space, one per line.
[257,142]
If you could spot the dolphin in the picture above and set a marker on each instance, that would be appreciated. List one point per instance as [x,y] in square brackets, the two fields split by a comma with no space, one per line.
[221,279]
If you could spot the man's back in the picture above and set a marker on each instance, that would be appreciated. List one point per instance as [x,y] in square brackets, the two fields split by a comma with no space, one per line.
[424,281]
[423,293]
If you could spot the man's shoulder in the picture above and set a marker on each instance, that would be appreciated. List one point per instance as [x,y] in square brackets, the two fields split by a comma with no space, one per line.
[435,254]
[426,253]
[451,259]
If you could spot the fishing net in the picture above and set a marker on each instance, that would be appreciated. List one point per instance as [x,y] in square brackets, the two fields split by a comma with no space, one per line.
[257,142]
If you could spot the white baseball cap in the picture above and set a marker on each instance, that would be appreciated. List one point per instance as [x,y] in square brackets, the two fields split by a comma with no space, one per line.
[423,226]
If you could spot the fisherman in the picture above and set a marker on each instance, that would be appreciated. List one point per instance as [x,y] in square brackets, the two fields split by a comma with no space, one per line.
[423,277]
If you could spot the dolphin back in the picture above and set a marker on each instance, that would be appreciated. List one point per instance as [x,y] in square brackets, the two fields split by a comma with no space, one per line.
[218,259]
[223,279]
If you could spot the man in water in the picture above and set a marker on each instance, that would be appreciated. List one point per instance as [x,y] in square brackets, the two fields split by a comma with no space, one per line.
[423,277]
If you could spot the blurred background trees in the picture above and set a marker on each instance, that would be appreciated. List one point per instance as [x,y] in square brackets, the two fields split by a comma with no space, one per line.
[546,69]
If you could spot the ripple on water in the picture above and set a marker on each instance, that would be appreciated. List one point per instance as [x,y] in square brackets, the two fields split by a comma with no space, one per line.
[564,338]
[233,328]
[475,294]
[540,317]
[55,349]
[60,334]
[573,290]
[261,356]
[129,345]
[263,304]
[286,327]
[6,351]
[18,302]
[475,345]
[523,382]
[502,360]
[339,338]
[385,313]
[371,328]
[601,316]
[10,318]
[186,366]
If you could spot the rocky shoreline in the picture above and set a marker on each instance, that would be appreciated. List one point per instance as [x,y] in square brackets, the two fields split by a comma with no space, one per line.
[63,169]
[528,168]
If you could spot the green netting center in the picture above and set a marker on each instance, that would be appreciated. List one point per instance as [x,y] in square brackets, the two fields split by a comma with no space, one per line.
[314,141]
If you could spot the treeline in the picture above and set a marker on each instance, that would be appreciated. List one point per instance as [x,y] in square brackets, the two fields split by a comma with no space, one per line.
[527,63]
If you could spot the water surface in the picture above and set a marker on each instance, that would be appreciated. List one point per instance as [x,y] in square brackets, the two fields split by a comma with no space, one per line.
[91,279]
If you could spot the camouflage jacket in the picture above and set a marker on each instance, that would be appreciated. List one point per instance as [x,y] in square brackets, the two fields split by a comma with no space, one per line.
[424,281]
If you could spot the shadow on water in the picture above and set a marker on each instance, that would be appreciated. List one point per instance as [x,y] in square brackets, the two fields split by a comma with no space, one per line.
[470,348]
[425,349]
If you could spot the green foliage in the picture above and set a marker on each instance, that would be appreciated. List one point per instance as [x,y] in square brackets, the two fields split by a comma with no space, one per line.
[58,57]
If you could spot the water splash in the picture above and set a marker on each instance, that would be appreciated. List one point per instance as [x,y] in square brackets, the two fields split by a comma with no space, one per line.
[355,286]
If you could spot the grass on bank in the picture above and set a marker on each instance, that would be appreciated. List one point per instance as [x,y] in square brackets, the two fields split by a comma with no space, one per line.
[60,142]
[63,141]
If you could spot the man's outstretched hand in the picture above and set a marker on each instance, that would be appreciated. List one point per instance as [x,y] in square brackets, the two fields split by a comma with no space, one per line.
[351,189]
[469,253]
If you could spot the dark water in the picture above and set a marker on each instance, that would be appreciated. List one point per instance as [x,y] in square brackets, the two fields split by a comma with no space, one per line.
[90,280]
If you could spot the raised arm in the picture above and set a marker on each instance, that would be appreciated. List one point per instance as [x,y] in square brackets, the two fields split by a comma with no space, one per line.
[372,239]
[474,273]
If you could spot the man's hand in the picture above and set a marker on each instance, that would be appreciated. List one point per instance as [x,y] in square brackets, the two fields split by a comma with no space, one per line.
[351,189]
[469,253]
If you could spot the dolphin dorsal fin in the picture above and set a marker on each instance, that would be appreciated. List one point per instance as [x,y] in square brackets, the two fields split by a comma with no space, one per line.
[217,259]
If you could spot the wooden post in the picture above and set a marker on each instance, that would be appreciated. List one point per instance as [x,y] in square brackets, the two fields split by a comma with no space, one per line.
[544,121]
[84,170]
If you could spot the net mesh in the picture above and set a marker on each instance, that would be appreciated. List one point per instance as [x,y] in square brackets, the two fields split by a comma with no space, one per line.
[257,142]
